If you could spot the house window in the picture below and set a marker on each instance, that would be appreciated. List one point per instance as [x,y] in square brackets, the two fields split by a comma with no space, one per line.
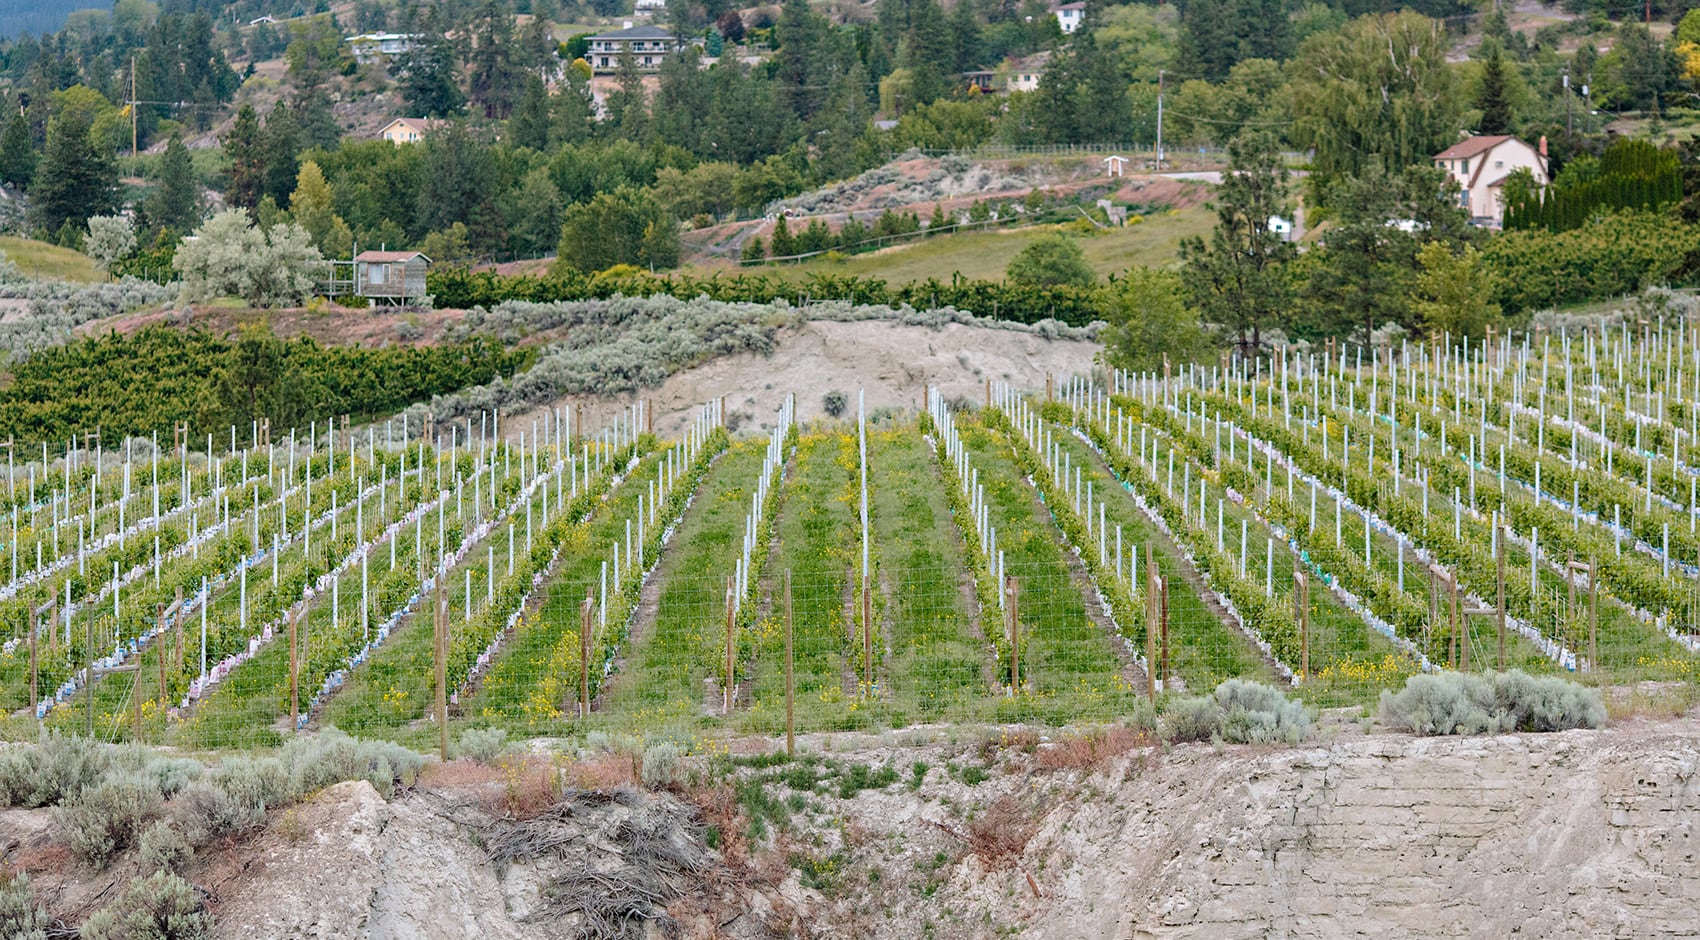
[380,274]
[1499,164]
[1464,166]
[646,60]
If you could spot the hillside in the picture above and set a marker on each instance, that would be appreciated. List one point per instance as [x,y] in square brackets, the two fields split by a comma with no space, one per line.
[18,18]
[1573,834]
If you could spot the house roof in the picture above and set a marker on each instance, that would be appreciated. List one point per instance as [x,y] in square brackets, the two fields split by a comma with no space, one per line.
[638,32]
[418,124]
[1470,146]
[388,256]
[1077,5]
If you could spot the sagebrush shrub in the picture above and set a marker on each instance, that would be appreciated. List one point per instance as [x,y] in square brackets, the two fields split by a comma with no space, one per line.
[55,768]
[161,906]
[205,811]
[163,848]
[1191,719]
[21,918]
[663,765]
[332,757]
[1254,713]
[109,816]
[1464,703]
[484,745]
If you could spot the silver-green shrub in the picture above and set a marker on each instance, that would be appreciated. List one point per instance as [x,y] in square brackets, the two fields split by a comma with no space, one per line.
[331,757]
[663,765]
[1468,703]
[109,816]
[163,848]
[1191,719]
[484,745]
[1254,713]
[205,811]
[21,918]
[161,906]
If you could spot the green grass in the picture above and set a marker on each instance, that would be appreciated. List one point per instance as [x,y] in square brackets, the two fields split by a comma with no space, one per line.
[662,685]
[938,666]
[1203,650]
[1069,670]
[1153,242]
[41,261]
[818,539]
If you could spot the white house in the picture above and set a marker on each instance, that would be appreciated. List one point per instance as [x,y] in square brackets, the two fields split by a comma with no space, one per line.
[1069,16]
[368,46]
[649,45]
[1479,166]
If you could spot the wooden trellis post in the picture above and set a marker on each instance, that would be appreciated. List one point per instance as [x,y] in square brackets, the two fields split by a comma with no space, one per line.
[294,677]
[1499,578]
[441,710]
[790,705]
[727,692]
[1301,613]
[1012,597]
[586,613]
[42,614]
[1153,613]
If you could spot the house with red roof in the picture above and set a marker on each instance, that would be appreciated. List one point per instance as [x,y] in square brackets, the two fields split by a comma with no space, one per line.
[1479,165]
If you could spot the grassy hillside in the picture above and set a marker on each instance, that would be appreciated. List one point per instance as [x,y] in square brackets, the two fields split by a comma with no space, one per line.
[49,262]
[1155,242]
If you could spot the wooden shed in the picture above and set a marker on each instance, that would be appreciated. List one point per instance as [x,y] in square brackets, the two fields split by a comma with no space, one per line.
[394,276]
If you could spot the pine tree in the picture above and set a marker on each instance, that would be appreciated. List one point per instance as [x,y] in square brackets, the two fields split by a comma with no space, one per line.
[1496,110]
[76,178]
[280,147]
[175,203]
[490,67]
[17,153]
[242,147]
[628,113]
[430,78]
[529,125]
[784,245]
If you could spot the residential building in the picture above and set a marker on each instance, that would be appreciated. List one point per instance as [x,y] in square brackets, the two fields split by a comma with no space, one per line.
[1480,165]
[650,6]
[649,46]
[405,131]
[1069,16]
[369,46]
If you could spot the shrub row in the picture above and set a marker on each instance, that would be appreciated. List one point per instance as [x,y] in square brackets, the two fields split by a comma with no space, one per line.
[459,288]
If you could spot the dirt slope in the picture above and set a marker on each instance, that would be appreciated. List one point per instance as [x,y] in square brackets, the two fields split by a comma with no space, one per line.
[1575,834]
[894,363]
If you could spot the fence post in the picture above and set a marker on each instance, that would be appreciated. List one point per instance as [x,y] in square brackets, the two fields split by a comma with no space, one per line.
[34,698]
[1301,607]
[790,705]
[88,670]
[441,709]
[159,647]
[868,638]
[585,614]
[1499,565]
[1012,596]
[136,702]
[1151,622]
[1163,597]
[727,691]
[1593,614]
[294,698]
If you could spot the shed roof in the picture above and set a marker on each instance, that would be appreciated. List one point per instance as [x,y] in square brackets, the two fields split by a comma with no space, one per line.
[387,256]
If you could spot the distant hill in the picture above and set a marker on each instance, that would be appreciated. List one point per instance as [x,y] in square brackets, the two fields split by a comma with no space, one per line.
[18,17]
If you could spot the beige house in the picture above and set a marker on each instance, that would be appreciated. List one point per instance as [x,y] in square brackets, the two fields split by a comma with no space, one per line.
[1480,165]
[405,130]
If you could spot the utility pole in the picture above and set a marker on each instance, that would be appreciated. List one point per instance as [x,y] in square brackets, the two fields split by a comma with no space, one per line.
[132,106]
[1159,119]
[1567,125]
